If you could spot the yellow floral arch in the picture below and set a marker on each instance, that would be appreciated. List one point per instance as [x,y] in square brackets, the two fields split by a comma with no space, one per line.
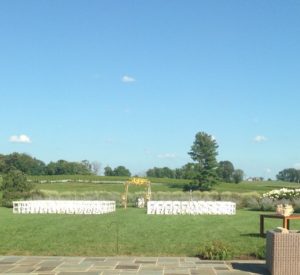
[139,182]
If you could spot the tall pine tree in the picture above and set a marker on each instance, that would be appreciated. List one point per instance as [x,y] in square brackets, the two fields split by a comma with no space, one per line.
[204,153]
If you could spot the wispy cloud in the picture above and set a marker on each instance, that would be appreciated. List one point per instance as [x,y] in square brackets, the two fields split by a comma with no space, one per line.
[167,156]
[297,165]
[127,79]
[268,170]
[20,139]
[260,138]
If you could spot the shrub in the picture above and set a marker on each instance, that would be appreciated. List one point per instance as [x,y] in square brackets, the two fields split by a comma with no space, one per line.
[15,181]
[252,203]
[296,205]
[283,193]
[216,250]
[15,187]
[210,196]
[250,200]
[267,204]
[9,197]
[231,196]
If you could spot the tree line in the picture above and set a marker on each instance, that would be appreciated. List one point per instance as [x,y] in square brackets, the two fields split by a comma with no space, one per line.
[120,171]
[225,172]
[289,174]
[203,172]
[32,166]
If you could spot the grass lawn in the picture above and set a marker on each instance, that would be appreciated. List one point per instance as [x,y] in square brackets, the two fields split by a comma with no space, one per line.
[258,186]
[139,234]
[108,187]
[167,186]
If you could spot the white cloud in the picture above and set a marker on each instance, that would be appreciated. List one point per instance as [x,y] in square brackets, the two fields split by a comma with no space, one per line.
[297,165]
[20,139]
[167,156]
[259,138]
[128,79]
[268,170]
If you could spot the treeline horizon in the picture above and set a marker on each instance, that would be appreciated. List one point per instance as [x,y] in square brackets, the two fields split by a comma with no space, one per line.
[32,166]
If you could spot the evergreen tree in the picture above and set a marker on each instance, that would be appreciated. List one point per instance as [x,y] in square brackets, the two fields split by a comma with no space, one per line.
[204,152]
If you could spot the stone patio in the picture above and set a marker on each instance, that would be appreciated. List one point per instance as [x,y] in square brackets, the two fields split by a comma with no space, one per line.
[126,266]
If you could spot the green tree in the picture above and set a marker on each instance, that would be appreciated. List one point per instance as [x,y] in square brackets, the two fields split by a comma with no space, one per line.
[164,172]
[225,171]
[289,174]
[108,171]
[22,162]
[238,175]
[189,171]
[121,171]
[63,167]
[204,152]
[178,173]
[15,186]
[87,165]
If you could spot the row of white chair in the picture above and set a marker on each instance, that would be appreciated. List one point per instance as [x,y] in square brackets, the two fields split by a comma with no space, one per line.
[191,207]
[63,207]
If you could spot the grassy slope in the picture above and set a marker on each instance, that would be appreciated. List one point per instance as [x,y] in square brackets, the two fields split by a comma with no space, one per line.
[109,187]
[259,187]
[139,234]
[168,185]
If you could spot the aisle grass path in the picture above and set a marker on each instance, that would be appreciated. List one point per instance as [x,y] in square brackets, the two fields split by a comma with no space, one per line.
[139,234]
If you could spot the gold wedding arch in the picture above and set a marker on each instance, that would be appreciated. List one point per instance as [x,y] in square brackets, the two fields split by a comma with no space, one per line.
[140,182]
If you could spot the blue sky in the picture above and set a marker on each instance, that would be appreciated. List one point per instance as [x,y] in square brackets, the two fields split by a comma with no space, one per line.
[131,82]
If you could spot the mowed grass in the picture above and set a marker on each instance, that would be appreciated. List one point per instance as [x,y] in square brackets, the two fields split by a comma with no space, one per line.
[108,187]
[167,186]
[258,186]
[138,233]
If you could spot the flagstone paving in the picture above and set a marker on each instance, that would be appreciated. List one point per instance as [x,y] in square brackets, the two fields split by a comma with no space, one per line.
[21,265]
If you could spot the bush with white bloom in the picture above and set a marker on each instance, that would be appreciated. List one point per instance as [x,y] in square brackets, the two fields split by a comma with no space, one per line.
[283,194]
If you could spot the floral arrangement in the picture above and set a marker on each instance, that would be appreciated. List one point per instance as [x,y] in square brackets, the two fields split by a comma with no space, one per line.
[284,209]
[283,193]
[139,181]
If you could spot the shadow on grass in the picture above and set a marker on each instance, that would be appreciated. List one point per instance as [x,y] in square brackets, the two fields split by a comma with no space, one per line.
[257,268]
[254,235]
[175,185]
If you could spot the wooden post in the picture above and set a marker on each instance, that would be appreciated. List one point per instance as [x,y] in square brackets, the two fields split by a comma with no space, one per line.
[262,226]
[126,194]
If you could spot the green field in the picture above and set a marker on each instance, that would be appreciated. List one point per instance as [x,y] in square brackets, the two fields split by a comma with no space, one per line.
[114,184]
[108,187]
[139,233]
[260,187]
